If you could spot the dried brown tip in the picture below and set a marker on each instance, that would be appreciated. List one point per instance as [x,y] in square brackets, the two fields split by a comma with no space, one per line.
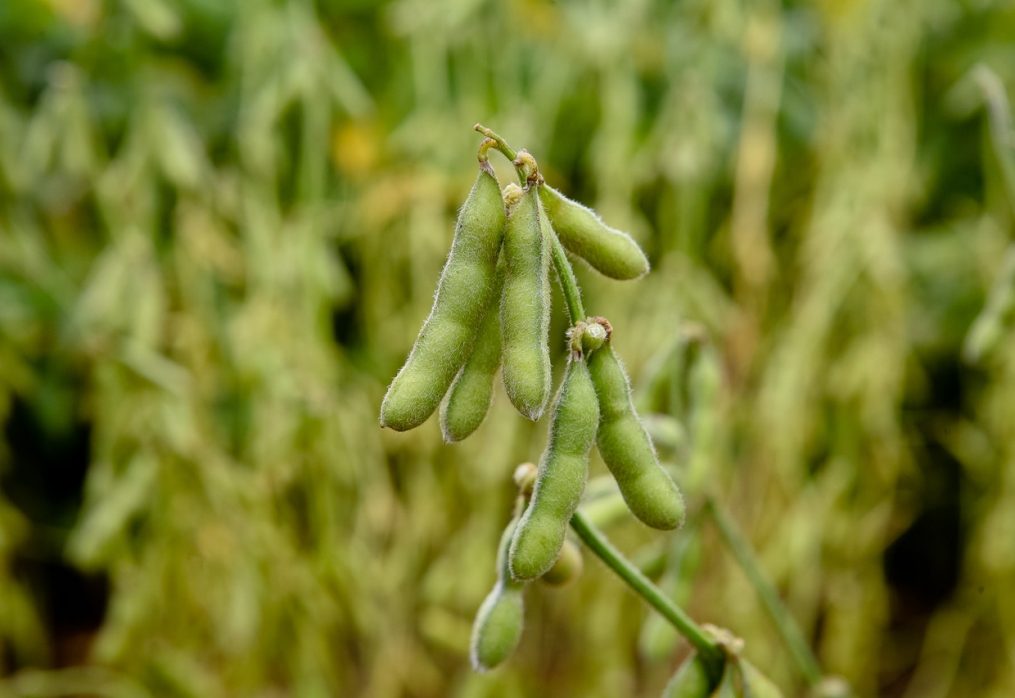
[527,164]
[600,320]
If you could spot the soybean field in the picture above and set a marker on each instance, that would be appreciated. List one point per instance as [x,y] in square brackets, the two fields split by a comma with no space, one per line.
[519,349]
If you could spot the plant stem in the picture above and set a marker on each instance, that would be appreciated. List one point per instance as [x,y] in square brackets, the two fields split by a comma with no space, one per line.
[707,648]
[798,648]
[502,145]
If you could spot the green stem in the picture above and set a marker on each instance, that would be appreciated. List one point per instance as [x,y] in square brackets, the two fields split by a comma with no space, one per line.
[709,651]
[502,145]
[568,284]
[801,652]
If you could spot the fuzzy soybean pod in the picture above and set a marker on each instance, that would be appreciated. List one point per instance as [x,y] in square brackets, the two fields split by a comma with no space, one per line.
[469,398]
[525,307]
[563,470]
[690,681]
[611,252]
[498,625]
[756,684]
[624,444]
[463,294]
[567,567]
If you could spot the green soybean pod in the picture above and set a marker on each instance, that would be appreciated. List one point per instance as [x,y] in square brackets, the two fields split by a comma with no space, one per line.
[469,398]
[525,308]
[563,470]
[498,625]
[690,680]
[609,251]
[463,294]
[627,450]
[756,684]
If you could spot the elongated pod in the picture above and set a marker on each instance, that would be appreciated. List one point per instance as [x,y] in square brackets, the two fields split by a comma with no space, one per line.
[563,470]
[498,625]
[624,444]
[469,398]
[756,684]
[525,308]
[463,294]
[690,680]
[611,252]
[567,567]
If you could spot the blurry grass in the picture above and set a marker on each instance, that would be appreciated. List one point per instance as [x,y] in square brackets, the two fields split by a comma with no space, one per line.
[220,227]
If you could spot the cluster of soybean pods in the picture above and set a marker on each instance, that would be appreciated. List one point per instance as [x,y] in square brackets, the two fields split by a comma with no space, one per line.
[491,310]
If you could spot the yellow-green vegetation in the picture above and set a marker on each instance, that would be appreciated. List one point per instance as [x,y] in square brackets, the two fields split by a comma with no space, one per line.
[627,450]
[221,226]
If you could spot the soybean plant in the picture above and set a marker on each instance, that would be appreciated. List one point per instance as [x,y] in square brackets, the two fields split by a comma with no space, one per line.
[492,310]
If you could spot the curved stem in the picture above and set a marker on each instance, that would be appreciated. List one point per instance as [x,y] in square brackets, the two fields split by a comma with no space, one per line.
[709,651]
[501,144]
[787,628]
[568,284]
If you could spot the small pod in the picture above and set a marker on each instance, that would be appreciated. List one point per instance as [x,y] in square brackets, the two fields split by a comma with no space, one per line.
[756,684]
[525,308]
[568,567]
[563,470]
[690,680]
[468,400]
[464,292]
[627,450]
[609,251]
[498,625]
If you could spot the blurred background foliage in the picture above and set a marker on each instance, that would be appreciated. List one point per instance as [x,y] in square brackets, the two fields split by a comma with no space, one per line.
[221,222]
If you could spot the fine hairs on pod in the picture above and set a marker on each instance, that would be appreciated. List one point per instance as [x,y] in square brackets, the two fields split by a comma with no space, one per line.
[525,307]
[499,621]
[464,293]
[563,470]
[609,251]
[690,680]
[626,448]
[469,398]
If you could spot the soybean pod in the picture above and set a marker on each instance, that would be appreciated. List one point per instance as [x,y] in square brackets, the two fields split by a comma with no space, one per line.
[469,398]
[690,681]
[464,292]
[525,308]
[756,684]
[563,470]
[567,567]
[626,448]
[609,251]
[498,625]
